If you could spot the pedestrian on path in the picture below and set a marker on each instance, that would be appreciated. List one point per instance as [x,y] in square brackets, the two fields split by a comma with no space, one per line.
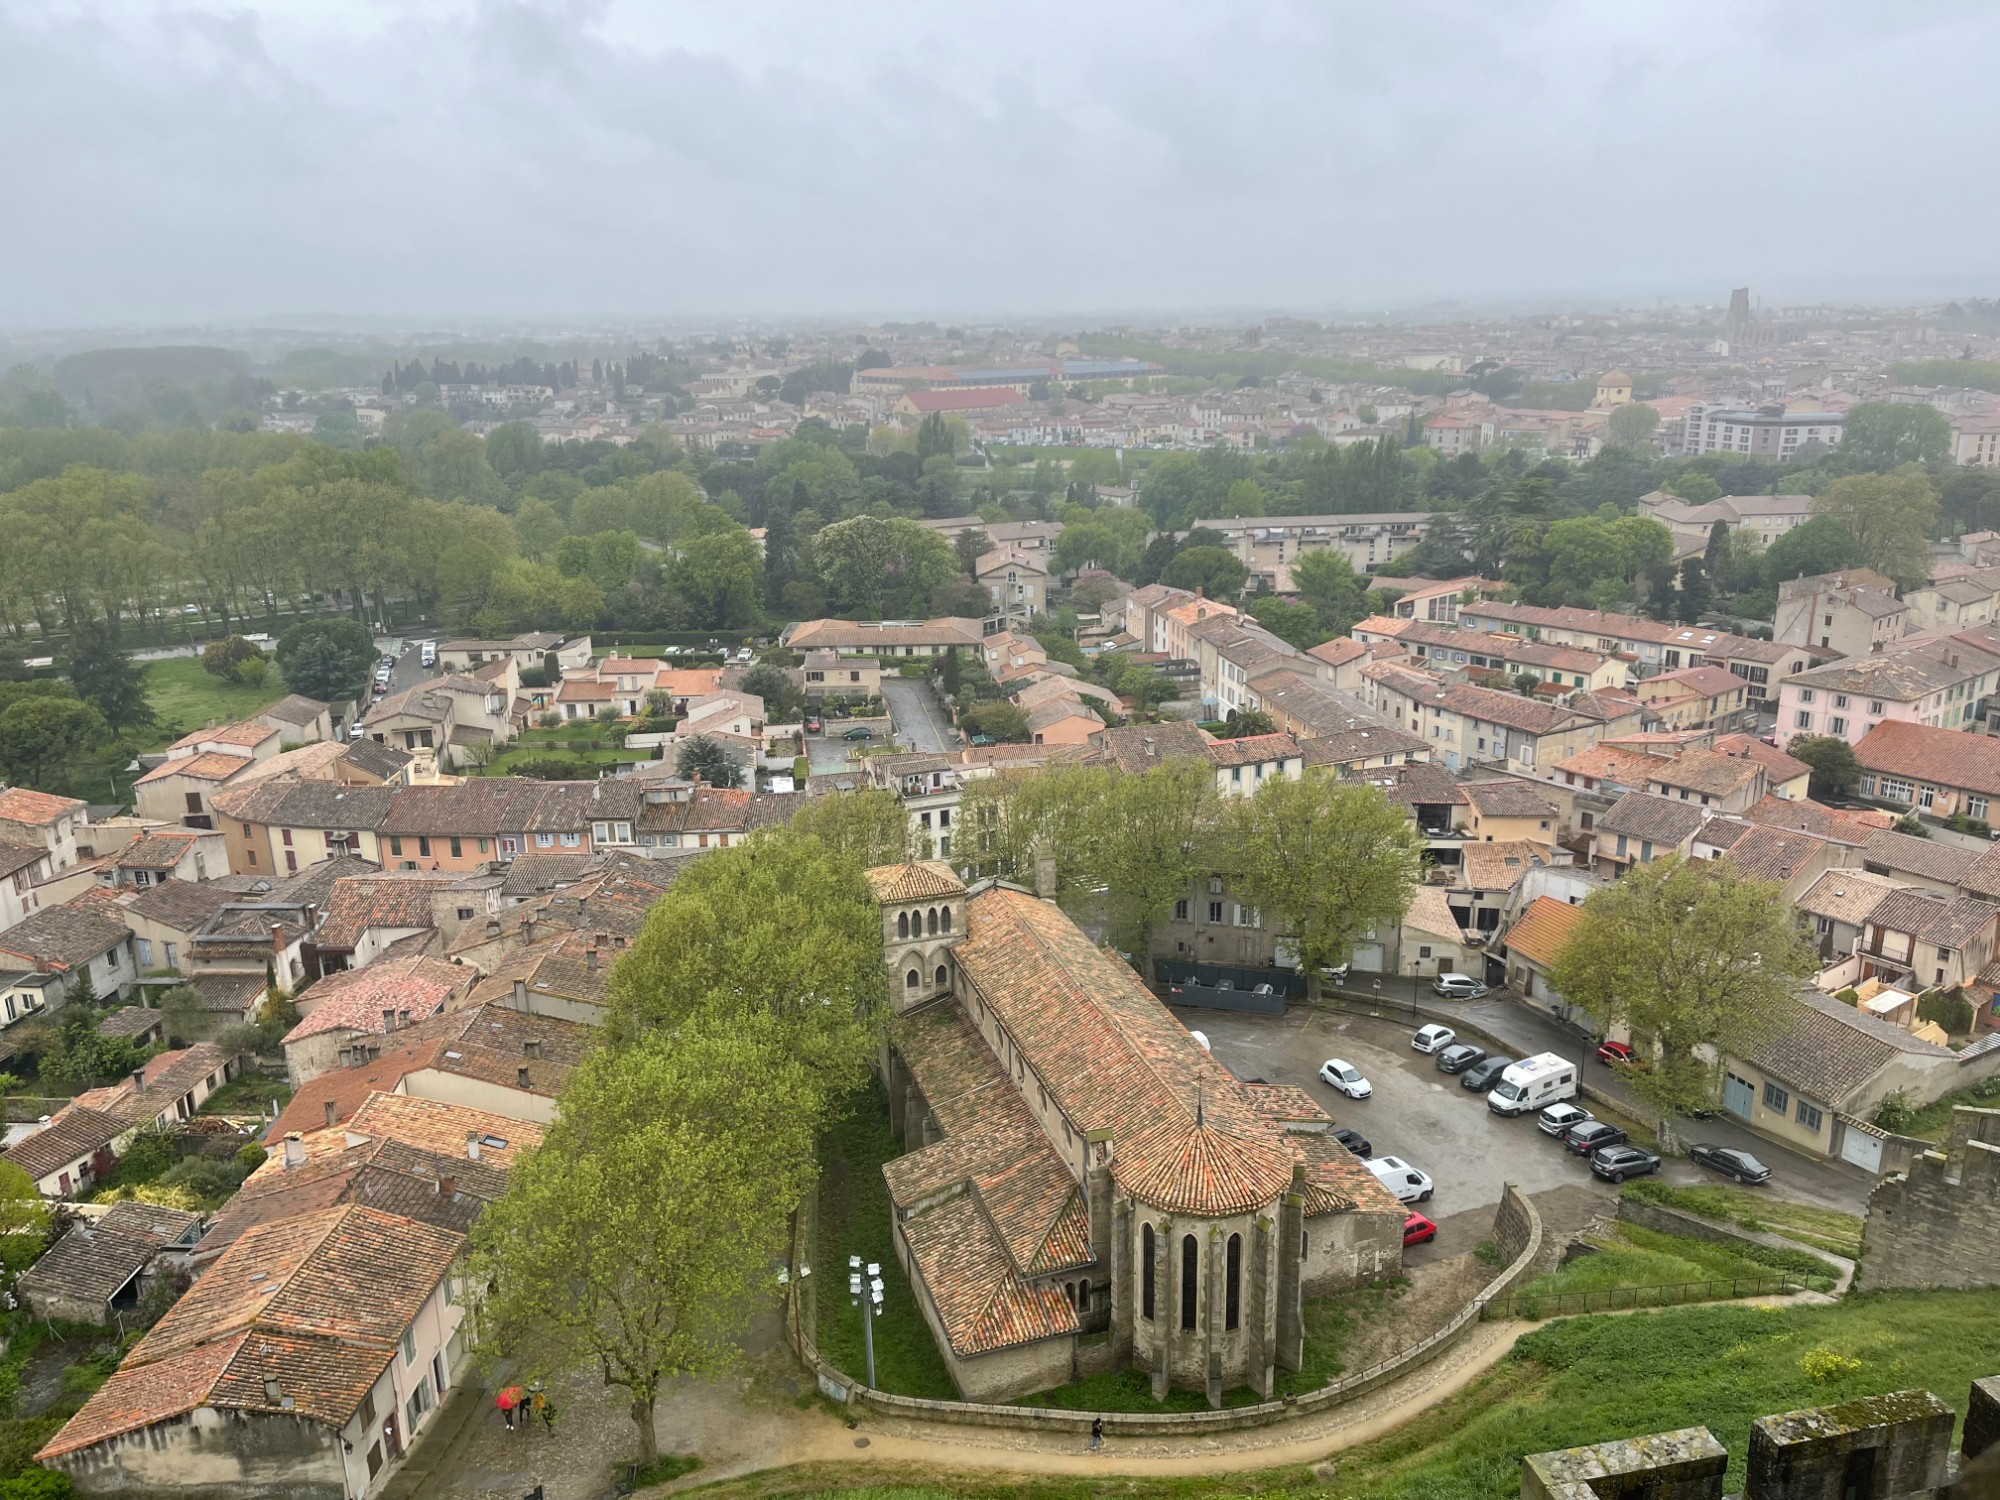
[1096,1433]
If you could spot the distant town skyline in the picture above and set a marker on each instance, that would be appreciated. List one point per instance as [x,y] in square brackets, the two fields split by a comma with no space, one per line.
[323,159]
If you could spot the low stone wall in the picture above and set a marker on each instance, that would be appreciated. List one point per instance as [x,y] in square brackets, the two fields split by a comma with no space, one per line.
[1517,1225]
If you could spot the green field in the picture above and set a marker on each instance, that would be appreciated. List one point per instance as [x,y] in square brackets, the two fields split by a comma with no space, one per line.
[184,698]
[596,748]
[1756,1208]
[1582,1380]
[1638,1258]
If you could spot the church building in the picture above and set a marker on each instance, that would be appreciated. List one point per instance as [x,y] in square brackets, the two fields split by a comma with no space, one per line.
[1085,1187]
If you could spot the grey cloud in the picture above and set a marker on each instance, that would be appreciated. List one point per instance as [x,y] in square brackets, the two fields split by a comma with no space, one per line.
[522,159]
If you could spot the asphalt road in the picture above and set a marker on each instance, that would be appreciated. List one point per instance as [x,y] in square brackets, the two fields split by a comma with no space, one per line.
[918,716]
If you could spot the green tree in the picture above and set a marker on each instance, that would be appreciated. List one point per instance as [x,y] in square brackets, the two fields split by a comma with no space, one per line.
[1089,544]
[107,679]
[225,658]
[867,562]
[970,546]
[637,1239]
[1695,486]
[705,758]
[999,720]
[25,1221]
[934,439]
[1326,580]
[717,577]
[783,702]
[1633,425]
[44,741]
[1835,769]
[327,659]
[1330,860]
[1213,571]
[1146,837]
[80,1055]
[1243,723]
[1695,959]
[1890,516]
[1822,545]
[781,925]
[1881,436]
[870,826]
[1290,620]
[514,450]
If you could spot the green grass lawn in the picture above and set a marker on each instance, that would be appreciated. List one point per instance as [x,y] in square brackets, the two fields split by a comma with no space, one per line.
[185,698]
[1129,1390]
[247,1094]
[1640,1259]
[1582,1380]
[1931,1122]
[854,1219]
[1758,1208]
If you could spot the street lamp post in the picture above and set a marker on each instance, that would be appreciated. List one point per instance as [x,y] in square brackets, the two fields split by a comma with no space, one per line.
[867,1297]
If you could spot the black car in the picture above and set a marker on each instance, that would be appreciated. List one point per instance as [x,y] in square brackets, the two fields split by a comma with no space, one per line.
[1594,1135]
[1729,1162]
[1616,1163]
[1356,1142]
[1483,1074]
[1458,1057]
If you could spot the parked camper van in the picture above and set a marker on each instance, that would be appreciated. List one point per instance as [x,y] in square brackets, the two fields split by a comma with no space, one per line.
[1533,1083]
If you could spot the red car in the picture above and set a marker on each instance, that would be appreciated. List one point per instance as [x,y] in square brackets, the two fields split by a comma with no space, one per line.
[1616,1052]
[1417,1229]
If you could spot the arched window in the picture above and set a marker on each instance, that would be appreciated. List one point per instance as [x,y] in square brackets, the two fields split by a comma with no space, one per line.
[1083,1296]
[1305,1243]
[1146,1273]
[940,976]
[933,928]
[911,980]
[1190,1271]
[1232,1295]
[944,918]
[902,924]
[1069,1291]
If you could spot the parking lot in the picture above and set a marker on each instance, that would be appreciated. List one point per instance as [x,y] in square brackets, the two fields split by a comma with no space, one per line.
[1426,1118]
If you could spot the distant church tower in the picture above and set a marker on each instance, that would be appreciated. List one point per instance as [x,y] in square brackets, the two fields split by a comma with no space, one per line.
[923,917]
[1736,327]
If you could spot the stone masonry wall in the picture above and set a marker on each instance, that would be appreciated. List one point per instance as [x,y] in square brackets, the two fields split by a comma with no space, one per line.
[1936,1225]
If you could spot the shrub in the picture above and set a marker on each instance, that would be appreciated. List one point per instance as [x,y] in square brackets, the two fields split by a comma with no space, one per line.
[1823,1365]
[1848,996]
[1895,1112]
[1948,1008]
[37,1484]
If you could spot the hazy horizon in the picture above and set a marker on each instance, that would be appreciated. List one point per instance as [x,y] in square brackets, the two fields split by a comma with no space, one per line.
[456,164]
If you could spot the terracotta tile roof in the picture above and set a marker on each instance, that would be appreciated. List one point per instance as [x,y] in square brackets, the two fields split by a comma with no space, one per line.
[212,765]
[62,937]
[295,708]
[1663,821]
[1943,757]
[1431,912]
[1507,798]
[155,851]
[247,733]
[19,804]
[14,857]
[1116,1060]
[400,900]
[169,1077]
[1766,853]
[1499,865]
[94,1261]
[307,804]
[1337,1181]
[1424,783]
[1486,705]
[436,1126]
[1830,1051]
[918,880]
[219,991]
[354,999]
[132,1021]
[76,1132]
[1285,1102]
[1612,763]
[1542,931]
[1982,876]
[1846,895]
[1252,749]
[185,904]
[1803,815]
[376,758]
[1137,748]
[347,1089]
[1338,652]
[1776,763]
[279,1305]
[982,1301]
[1894,851]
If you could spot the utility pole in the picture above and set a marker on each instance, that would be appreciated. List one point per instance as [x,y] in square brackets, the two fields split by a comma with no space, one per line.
[869,1299]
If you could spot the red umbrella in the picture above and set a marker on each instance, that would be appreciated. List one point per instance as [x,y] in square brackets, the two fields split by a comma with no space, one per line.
[509,1398]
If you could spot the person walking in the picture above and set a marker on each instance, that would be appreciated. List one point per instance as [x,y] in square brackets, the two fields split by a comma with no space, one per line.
[1096,1433]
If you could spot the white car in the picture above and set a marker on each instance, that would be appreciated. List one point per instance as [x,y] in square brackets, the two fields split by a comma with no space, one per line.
[1338,1073]
[1399,1177]
[1457,987]
[1433,1039]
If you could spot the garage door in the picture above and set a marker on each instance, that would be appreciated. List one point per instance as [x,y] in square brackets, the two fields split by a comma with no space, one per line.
[1737,1096]
[1368,957]
[1862,1146]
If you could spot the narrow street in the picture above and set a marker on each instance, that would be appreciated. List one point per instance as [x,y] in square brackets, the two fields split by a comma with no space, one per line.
[917,714]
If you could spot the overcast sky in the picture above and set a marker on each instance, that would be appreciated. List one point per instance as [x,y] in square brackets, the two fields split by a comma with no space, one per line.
[182,162]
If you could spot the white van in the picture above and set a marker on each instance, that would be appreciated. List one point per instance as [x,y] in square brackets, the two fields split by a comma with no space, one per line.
[1533,1083]
[430,654]
[1399,1177]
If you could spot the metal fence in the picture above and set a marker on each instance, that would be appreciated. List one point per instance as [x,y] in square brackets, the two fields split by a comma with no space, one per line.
[1534,1305]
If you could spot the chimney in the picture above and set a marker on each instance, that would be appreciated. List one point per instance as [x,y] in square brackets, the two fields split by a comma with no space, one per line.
[1045,876]
[590,958]
[139,1079]
[521,995]
[277,938]
[271,1389]
[532,1046]
[447,1187]
[388,1021]
[332,1110]
[472,1145]
[521,1077]
[295,1148]
[528,928]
